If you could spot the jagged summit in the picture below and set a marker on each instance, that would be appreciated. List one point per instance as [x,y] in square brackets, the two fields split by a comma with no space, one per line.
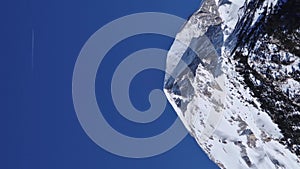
[235,81]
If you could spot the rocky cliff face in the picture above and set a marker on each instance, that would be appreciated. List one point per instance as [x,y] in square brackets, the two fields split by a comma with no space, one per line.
[235,81]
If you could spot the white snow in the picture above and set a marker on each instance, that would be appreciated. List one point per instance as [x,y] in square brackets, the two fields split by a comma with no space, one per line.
[221,114]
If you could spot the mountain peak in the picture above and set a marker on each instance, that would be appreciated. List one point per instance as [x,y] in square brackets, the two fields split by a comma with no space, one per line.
[235,82]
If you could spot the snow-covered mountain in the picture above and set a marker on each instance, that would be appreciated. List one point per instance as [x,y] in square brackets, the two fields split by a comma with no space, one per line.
[234,81]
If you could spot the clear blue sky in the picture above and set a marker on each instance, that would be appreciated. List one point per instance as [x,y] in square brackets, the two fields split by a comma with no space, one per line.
[40,128]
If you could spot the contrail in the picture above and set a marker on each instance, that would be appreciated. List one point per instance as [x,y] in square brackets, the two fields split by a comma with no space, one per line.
[32,47]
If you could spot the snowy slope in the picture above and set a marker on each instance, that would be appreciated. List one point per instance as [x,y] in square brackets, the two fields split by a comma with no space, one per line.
[211,97]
